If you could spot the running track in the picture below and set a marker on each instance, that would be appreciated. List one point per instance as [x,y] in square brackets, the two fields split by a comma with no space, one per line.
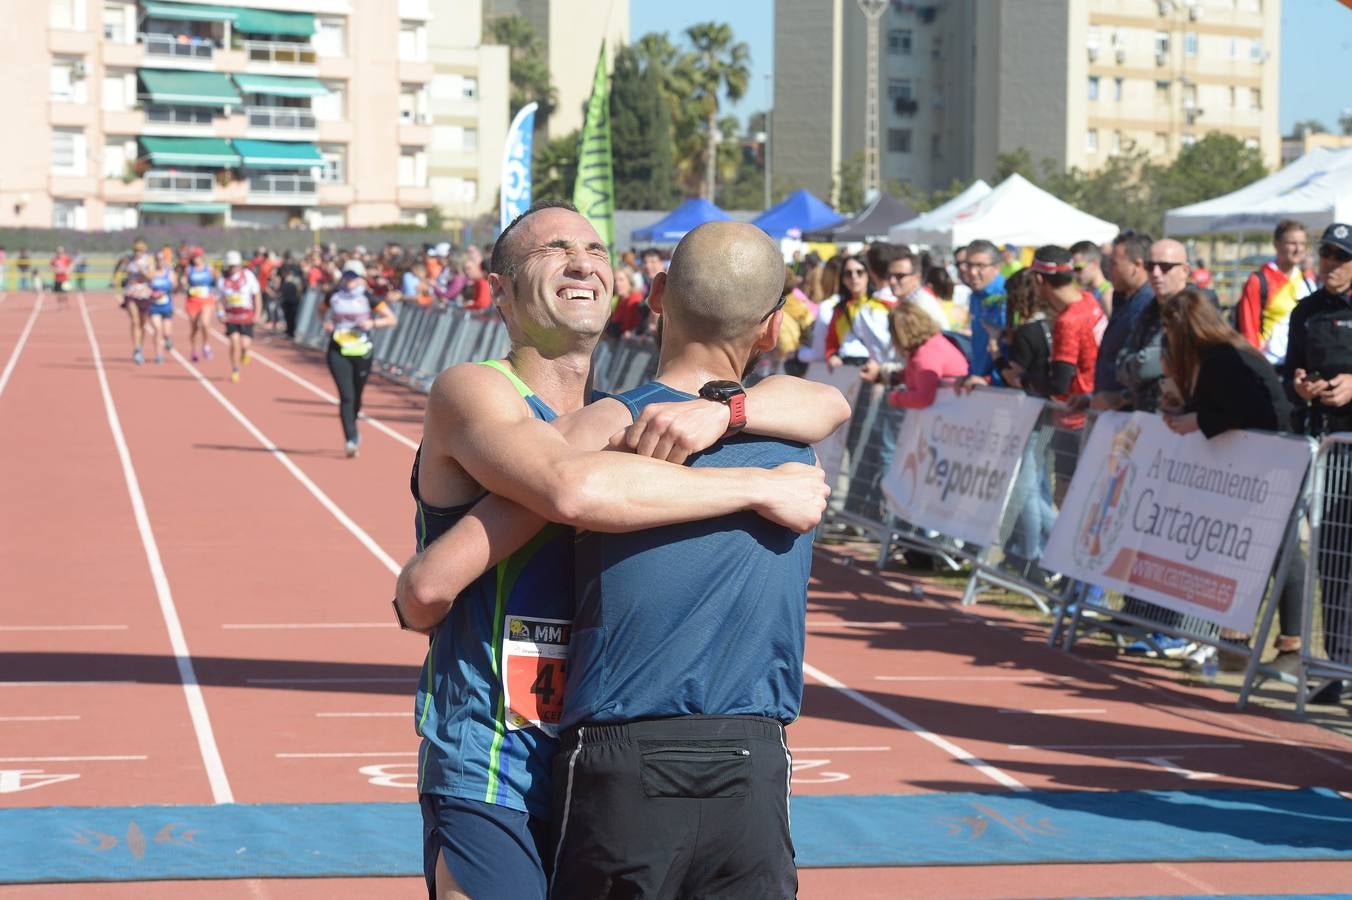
[196,612]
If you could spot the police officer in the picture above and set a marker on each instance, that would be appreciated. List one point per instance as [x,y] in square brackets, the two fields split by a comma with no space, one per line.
[1319,372]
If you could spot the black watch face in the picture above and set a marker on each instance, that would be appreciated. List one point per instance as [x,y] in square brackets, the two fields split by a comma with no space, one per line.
[721,391]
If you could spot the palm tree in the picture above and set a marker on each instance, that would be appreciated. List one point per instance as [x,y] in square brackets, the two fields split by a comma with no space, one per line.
[718,64]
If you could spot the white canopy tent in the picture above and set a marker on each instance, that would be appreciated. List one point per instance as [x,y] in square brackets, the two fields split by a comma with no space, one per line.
[1017,212]
[1315,190]
[941,215]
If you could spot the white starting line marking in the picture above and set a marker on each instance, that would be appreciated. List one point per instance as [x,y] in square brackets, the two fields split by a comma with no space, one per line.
[72,758]
[1121,746]
[1171,765]
[896,718]
[63,627]
[838,749]
[187,674]
[362,715]
[284,626]
[18,347]
[1054,712]
[409,681]
[345,756]
[39,718]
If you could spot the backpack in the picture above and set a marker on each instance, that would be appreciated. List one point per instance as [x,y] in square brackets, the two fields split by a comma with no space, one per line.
[1262,300]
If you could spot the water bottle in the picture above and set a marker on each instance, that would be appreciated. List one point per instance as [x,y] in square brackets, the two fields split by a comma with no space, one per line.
[1210,666]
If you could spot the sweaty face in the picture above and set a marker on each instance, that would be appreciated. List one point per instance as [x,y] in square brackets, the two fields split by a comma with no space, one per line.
[563,281]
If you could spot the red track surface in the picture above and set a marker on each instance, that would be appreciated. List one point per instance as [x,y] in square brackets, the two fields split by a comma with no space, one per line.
[306,687]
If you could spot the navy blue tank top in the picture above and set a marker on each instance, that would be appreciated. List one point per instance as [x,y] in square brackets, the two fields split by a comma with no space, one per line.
[705,618]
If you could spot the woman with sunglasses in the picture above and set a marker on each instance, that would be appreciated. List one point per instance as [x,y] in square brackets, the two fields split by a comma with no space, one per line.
[350,315]
[859,329]
[1319,371]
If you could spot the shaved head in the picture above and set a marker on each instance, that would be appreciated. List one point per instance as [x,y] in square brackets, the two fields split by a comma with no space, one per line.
[723,280]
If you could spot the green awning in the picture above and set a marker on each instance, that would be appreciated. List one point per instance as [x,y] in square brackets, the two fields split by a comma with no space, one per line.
[180,151]
[268,21]
[187,88]
[211,208]
[280,86]
[277,154]
[190,12]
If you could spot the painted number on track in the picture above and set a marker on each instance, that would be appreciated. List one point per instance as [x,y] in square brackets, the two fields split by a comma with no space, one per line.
[14,780]
[817,777]
[392,775]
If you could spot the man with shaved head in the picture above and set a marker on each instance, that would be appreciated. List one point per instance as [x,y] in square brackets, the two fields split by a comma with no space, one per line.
[493,582]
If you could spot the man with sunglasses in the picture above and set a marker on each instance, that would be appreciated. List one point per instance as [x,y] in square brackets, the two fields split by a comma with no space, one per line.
[1319,372]
[1140,369]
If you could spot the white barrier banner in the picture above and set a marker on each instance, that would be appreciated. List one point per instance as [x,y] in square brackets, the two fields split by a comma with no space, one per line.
[1190,524]
[831,452]
[955,461]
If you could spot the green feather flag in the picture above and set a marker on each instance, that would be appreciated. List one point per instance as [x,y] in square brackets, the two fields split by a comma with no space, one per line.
[594,189]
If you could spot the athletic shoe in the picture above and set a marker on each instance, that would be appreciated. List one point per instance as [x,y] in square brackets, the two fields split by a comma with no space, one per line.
[206,351]
[1164,645]
[1286,662]
[194,356]
[168,343]
[137,356]
[159,360]
[350,448]
[244,357]
[1331,694]
[234,376]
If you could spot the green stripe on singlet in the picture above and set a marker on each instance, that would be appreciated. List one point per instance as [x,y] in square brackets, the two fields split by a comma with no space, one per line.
[508,572]
[521,387]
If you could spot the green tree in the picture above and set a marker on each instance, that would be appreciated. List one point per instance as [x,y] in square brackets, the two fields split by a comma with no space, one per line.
[849,187]
[674,72]
[1345,121]
[554,168]
[529,68]
[1308,126]
[1215,165]
[720,66]
[924,201]
[641,124]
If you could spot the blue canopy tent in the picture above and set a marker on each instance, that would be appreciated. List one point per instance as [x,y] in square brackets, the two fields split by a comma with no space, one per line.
[796,214]
[674,225]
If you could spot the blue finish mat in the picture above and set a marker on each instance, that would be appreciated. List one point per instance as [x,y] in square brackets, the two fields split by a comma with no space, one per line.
[374,839]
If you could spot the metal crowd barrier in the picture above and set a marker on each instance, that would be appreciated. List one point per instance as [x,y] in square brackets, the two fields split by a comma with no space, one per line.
[1326,608]
[428,339]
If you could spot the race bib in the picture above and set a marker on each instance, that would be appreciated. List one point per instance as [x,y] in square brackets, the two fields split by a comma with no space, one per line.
[534,672]
[200,292]
[235,300]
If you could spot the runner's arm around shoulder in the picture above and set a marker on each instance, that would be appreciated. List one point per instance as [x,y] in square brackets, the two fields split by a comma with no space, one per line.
[781,406]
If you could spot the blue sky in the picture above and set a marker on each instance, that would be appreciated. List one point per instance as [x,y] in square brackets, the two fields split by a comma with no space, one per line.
[1316,38]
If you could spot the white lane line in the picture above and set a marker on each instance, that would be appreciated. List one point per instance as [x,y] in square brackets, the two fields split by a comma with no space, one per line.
[192,691]
[362,715]
[344,756]
[59,683]
[356,530]
[413,680]
[321,393]
[18,347]
[63,627]
[896,718]
[38,718]
[1054,712]
[287,626]
[1122,746]
[839,749]
[1018,678]
[901,626]
[72,758]
[1184,877]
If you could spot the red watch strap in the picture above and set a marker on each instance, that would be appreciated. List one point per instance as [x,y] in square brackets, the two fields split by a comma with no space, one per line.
[736,412]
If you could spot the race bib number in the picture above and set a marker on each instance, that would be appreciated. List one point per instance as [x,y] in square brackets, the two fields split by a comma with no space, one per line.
[535,671]
[236,300]
[199,292]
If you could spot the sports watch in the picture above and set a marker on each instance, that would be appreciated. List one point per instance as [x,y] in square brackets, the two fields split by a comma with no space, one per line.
[733,396]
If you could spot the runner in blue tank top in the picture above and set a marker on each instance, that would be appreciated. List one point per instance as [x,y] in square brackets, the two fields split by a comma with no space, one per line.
[492,684]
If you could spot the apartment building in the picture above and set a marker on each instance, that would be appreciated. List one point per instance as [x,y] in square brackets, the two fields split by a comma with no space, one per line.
[250,113]
[572,31]
[1075,81]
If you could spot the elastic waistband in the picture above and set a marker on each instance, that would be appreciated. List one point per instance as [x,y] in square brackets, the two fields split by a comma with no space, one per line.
[682,728]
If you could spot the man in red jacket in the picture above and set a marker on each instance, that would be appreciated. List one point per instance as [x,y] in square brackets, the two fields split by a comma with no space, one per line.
[1269,294]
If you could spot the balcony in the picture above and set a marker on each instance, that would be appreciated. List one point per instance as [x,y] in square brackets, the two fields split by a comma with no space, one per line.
[170,184]
[279,53]
[172,48]
[274,188]
[178,120]
[280,118]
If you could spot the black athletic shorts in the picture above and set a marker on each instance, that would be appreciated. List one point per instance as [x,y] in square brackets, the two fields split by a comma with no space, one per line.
[673,808]
[246,330]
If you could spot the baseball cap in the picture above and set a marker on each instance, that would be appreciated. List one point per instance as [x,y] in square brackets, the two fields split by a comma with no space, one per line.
[1339,235]
[354,267]
[232,258]
[443,249]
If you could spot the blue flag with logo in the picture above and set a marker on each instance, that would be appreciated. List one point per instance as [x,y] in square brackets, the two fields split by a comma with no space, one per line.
[516,163]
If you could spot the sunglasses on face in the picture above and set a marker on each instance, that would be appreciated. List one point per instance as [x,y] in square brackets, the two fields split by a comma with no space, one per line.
[1164,267]
[897,276]
[1327,252]
[776,308]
